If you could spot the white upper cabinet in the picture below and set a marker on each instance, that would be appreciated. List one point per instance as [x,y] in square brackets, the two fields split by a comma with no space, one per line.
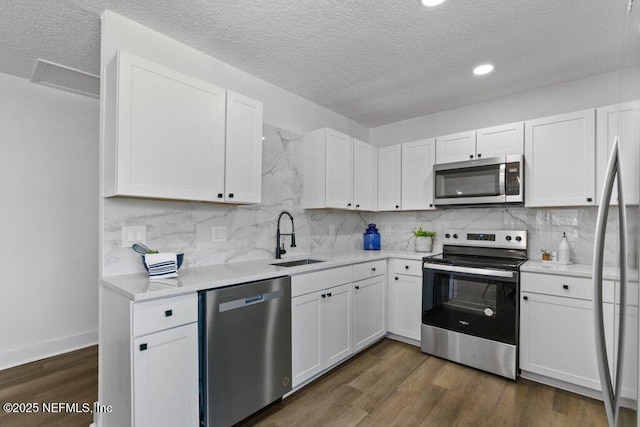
[389,178]
[365,176]
[500,140]
[484,143]
[418,158]
[243,169]
[339,172]
[622,120]
[165,135]
[560,160]
[456,147]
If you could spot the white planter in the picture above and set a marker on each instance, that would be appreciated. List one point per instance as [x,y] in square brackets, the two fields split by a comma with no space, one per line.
[424,244]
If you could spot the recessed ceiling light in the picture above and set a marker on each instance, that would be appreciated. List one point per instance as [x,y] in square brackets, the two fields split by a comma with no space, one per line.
[483,69]
[430,3]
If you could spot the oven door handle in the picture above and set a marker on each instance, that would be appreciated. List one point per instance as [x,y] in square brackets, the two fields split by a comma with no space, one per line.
[469,270]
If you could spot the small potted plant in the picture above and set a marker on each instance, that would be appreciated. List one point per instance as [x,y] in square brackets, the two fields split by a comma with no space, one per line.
[546,255]
[424,240]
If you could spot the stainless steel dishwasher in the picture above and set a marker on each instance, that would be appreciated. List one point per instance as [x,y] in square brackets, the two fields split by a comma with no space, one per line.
[245,349]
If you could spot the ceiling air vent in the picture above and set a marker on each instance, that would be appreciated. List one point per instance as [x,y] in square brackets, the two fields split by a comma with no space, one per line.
[60,77]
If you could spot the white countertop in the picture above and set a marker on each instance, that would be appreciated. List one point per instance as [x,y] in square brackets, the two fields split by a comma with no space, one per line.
[138,287]
[574,270]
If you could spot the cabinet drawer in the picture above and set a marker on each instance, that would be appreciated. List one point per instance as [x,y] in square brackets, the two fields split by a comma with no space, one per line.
[369,269]
[564,286]
[313,282]
[407,266]
[165,313]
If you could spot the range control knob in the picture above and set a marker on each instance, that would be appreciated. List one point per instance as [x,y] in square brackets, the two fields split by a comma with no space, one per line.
[508,238]
[455,236]
[518,238]
[446,236]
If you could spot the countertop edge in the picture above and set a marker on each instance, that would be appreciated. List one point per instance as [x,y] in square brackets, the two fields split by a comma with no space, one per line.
[120,284]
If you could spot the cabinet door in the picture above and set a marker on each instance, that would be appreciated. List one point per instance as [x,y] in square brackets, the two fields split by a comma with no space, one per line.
[407,306]
[165,370]
[621,120]
[501,140]
[456,147]
[243,170]
[170,134]
[389,178]
[338,327]
[369,312]
[365,176]
[417,174]
[307,336]
[560,160]
[339,173]
[557,338]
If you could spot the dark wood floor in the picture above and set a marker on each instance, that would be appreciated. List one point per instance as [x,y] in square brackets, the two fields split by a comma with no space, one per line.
[395,384]
[389,384]
[68,378]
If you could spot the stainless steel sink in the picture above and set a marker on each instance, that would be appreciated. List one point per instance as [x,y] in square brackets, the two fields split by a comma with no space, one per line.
[297,263]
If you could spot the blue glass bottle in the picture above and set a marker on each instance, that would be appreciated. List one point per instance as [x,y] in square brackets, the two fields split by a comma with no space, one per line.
[371,239]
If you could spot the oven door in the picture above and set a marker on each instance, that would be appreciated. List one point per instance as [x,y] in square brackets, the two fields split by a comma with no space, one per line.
[473,301]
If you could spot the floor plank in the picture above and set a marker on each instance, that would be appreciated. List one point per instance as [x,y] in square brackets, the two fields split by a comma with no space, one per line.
[395,384]
[389,384]
[68,378]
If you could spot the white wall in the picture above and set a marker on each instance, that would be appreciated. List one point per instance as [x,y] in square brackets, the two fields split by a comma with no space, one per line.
[282,109]
[48,221]
[596,91]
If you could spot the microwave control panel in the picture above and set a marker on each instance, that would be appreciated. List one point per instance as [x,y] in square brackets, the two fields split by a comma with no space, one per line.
[512,179]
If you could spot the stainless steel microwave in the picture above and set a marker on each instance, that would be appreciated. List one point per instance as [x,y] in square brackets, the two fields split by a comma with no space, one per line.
[497,180]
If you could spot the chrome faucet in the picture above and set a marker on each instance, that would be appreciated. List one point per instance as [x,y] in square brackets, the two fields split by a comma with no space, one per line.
[280,250]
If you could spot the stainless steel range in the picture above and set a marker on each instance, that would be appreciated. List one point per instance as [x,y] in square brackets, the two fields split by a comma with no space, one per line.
[470,295]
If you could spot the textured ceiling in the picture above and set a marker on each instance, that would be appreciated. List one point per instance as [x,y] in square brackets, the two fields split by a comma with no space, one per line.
[376,62]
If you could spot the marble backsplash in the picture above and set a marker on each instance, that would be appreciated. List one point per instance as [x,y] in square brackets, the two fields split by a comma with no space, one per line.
[186,226]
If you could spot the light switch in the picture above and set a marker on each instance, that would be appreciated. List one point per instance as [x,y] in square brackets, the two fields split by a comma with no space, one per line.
[134,234]
[387,230]
[218,234]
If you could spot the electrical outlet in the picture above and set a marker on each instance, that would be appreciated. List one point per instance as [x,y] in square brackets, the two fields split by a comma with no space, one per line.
[134,234]
[332,230]
[218,234]
[387,230]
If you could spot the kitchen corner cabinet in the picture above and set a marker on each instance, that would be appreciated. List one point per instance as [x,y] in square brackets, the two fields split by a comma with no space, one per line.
[418,158]
[390,178]
[148,361]
[171,136]
[560,160]
[484,143]
[405,298]
[339,172]
[622,120]
[365,176]
[369,303]
[321,321]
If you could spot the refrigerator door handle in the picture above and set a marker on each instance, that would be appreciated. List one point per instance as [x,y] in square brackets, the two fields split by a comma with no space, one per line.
[610,396]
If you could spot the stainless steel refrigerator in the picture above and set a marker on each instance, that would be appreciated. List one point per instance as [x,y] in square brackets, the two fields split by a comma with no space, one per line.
[619,369]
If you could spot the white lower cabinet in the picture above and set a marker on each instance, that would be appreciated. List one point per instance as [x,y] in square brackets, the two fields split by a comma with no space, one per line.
[148,361]
[165,375]
[405,299]
[557,328]
[321,331]
[557,338]
[369,311]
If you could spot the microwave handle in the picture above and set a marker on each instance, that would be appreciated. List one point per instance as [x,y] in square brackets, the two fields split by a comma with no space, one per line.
[502,179]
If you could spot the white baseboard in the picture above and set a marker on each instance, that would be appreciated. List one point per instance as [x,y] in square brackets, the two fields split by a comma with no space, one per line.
[20,356]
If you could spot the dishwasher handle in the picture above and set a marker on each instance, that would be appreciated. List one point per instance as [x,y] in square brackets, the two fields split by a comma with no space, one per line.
[249,301]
